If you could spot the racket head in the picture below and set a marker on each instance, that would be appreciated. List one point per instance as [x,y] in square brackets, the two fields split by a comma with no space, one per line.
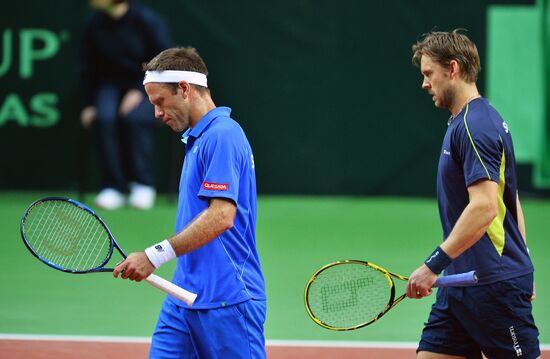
[67,235]
[348,294]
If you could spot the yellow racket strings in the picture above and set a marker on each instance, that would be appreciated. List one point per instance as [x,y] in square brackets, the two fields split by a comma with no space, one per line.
[348,295]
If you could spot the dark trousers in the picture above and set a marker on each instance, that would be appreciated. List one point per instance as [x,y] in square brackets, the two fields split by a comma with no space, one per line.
[125,143]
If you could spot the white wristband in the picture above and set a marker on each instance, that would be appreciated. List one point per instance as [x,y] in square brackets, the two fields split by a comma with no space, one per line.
[160,253]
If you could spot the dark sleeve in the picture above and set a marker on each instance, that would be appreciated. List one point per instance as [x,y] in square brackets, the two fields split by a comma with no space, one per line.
[480,149]
[88,65]
[157,35]
[154,33]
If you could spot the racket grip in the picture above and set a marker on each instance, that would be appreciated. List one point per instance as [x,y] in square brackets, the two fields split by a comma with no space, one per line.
[171,288]
[457,280]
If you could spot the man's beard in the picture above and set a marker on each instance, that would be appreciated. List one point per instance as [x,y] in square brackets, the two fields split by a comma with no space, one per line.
[447,98]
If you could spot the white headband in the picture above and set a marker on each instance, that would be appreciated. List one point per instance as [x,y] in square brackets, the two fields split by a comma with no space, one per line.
[172,76]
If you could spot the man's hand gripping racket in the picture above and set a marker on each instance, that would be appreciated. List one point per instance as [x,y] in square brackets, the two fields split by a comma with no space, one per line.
[70,237]
[351,294]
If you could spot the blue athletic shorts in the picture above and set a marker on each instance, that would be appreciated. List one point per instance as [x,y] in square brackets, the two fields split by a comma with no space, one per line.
[235,331]
[495,319]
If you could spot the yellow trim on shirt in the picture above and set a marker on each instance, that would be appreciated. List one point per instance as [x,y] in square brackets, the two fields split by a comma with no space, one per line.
[496,228]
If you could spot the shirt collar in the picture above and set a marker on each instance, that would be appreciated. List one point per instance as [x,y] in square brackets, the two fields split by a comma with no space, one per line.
[470,100]
[204,122]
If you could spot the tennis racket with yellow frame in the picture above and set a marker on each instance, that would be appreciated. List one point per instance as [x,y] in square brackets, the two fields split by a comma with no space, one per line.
[352,294]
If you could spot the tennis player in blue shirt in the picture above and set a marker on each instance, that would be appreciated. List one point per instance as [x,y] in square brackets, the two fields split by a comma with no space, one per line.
[215,244]
[481,216]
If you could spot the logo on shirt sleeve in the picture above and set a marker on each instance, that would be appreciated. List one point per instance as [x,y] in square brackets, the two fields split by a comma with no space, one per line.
[212,186]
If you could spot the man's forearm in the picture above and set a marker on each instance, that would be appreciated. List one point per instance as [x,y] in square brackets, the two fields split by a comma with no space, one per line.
[469,228]
[207,226]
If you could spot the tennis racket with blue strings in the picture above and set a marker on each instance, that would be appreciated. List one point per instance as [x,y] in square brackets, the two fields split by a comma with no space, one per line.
[70,237]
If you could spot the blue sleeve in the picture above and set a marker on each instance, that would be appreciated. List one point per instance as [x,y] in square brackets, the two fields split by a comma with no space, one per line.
[479,147]
[222,161]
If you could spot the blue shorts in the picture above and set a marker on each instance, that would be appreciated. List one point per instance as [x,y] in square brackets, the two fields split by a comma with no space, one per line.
[235,331]
[495,319]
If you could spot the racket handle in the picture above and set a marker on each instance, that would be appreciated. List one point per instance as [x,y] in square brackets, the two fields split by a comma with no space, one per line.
[457,280]
[171,288]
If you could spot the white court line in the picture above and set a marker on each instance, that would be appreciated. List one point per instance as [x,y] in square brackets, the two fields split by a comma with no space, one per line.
[74,338]
[340,344]
[274,343]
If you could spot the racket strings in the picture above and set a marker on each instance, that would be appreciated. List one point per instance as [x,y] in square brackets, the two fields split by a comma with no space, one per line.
[70,228]
[348,295]
[93,246]
[55,239]
[61,239]
[350,288]
[67,235]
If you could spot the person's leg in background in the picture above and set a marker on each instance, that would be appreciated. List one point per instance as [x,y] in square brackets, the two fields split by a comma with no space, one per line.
[139,130]
[113,179]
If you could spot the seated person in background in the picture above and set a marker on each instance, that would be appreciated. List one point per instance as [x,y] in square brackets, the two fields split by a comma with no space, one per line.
[119,36]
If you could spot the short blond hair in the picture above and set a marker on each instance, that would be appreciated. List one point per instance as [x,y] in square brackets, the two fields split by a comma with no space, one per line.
[443,47]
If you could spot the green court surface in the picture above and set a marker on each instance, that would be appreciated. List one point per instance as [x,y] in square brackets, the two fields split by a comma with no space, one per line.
[296,236]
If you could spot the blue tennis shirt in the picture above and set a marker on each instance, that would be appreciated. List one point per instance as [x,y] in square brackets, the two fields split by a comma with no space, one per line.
[478,146]
[219,164]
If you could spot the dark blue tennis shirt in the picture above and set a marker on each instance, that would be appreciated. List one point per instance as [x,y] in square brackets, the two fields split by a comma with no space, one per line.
[478,146]
[219,164]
